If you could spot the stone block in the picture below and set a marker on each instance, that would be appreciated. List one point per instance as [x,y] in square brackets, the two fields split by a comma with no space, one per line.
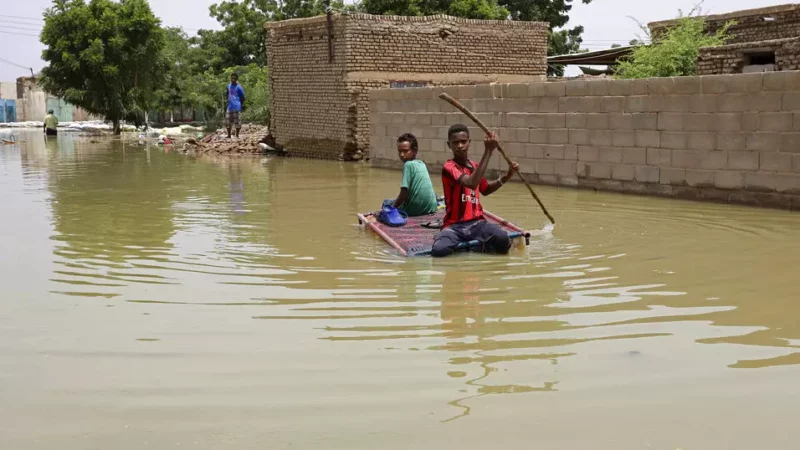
[577,88]
[672,103]
[620,87]
[581,169]
[553,151]
[648,138]
[620,121]
[565,168]
[515,149]
[686,159]
[484,91]
[702,141]
[729,122]
[731,141]
[517,90]
[621,138]
[578,104]
[641,87]
[763,142]
[598,170]
[634,155]
[775,162]
[588,153]
[672,176]
[791,101]
[713,160]
[575,120]
[637,104]
[522,120]
[790,142]
[743,160]
[764,102]
[548,104]
[662,86]
[538,136]
[645,121]
[699,122]
[761,181]
[675,140]
[558,136]
[775,121]
[579,136]
[536,89]
[703,104]
[526,166]
[647,174]
[597,87]
[732,103]
[545,168]
[722,84]
[534,151]
[671,121]
[659,157]
[750,121]
[598,137]
[513,134]
[612,104]
[688,85]
[700,178]
[781,81]
[555,89]
[499,90]
[555,120]
[571,152]
[597,121]
[623,172]
[726,179]
[610,154]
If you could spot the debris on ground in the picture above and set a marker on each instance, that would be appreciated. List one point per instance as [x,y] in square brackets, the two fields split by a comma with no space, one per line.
[253,139]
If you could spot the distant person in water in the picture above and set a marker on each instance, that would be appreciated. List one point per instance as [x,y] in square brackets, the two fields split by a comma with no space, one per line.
[464,183]
[50,124]
[417,197]
[234,97]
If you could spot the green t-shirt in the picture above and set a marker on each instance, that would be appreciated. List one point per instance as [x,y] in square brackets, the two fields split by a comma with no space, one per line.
[421,196]
[50,121]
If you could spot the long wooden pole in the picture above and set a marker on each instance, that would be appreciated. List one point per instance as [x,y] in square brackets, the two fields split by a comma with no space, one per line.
[478,122]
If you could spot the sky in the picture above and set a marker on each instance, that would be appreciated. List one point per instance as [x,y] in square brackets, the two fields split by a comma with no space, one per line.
[606,22]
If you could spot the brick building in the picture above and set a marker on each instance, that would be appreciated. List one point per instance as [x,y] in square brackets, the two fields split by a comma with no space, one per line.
[321,71]
[761,40]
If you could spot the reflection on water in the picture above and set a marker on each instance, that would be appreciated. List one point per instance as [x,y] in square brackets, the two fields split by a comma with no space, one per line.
[213,279]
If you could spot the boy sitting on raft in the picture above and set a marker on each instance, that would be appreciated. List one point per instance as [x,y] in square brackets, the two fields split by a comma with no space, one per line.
[463,183]
[417,197]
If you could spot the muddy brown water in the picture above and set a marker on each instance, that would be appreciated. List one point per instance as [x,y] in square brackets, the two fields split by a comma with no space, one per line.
[154,300]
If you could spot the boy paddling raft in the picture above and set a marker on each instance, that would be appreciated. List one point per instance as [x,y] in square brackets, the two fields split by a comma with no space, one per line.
[464,182]
[416,197]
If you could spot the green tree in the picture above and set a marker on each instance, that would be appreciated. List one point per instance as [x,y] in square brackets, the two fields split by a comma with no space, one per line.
[172,91]
[674,52]
[103,56]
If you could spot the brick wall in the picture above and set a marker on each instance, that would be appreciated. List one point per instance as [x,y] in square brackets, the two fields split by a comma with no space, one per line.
[750,24]
[733,138]
[321,109]
[728,59]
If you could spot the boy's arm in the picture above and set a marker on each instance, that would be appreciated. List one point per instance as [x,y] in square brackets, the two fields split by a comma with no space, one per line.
[473,181]
[405,182]
[496,184]
[402,197]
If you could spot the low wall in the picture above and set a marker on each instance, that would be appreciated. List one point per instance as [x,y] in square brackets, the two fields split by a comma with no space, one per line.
[732,138]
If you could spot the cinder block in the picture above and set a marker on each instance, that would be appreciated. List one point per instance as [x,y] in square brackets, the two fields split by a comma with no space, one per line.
[571,105]
[662,86]
[645,121]
[579,136]
[675,140]
[622,172]
[732,102]
[686,159]
[796,163]
[598,170]
[538,136]
[620,121]
[534,151]
[553,151]
[743,160]
[647,174]
[702,141]
[687,85]
[726,179]
[536,89]
[597,121]
[713,160]
[721,84]
[610,154]
[729,122]
[673,103]
[637,104]
[598,138]
[781,81]
[526,166]
[621,87]
[555,89]
[703,104]
[588,153]
[731,141]
[612,104]
[495,105]
[555,120]
[659,190]
[700,178]
[517,90]
[558,136]
[545,168]
[522,120]
[796,121]
[671,176]
[659,157]
[581,169]
[791,101]
[513,134]
[499,90]
[699,122]
[671,121]
[575,120]
[548,179]
[775,121]
[548,104]
[622,138]
[571,152]
[577,88]
[775,162]
[565,168]
[633,155]
[790,142]
[774,200]
[641,86]
[750,121]
[763,142]
[515,149]
[764,102]
[484,91]
[597,87]
[761,181]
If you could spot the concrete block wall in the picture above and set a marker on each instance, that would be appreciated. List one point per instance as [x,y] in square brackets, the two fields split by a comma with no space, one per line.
[732,138]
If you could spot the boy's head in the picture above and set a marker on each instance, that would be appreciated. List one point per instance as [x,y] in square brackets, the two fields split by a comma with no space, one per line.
[458,140]
[407,147]
[234,77]
[50,111]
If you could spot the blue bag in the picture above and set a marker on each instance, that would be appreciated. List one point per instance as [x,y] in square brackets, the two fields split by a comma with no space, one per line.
[391,216]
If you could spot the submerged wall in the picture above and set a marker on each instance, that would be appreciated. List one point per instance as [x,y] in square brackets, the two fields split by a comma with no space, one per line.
[732,138]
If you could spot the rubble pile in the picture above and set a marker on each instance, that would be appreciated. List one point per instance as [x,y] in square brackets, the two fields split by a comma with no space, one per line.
[253,139]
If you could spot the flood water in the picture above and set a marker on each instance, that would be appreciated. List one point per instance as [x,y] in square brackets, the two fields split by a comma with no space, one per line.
[153,300]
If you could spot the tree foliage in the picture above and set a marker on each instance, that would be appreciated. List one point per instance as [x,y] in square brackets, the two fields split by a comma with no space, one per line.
[104,56]
[672,53]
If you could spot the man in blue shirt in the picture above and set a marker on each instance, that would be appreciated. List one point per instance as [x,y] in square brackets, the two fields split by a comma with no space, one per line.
[234,95]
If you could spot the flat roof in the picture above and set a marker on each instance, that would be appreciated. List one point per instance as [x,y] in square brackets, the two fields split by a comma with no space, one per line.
[596,58]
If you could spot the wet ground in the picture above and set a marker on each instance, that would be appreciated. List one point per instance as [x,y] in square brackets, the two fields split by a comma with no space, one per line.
[155,300]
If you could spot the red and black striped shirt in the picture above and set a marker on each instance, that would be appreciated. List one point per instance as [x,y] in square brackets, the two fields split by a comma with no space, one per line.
[462,204]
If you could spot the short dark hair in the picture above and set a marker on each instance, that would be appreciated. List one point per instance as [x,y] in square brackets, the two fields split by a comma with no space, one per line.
[457,128]
[234,74]
[411,139]
[50,112]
